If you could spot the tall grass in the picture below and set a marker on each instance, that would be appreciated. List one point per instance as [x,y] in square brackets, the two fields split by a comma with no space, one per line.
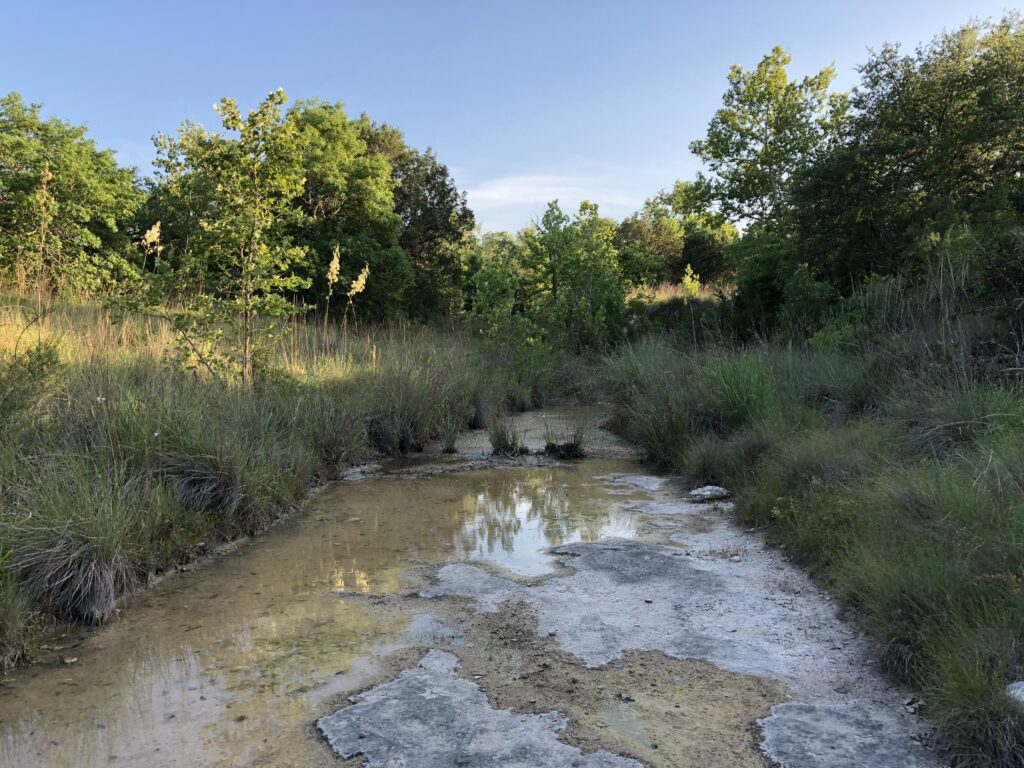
[886,455]
[116,464]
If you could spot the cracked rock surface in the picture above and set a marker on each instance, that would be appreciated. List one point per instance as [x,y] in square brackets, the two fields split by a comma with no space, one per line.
[428,717]
[839,736]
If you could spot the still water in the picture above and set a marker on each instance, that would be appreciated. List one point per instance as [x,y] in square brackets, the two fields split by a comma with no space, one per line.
[230,663]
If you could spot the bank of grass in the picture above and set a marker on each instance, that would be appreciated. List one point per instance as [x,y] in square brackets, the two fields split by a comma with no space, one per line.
[115,464]
[887,455]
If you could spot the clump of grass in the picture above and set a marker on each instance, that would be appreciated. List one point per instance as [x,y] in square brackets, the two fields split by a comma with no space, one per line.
[452,420]
[76,538]
[505,438]
[571,444]
[17,623]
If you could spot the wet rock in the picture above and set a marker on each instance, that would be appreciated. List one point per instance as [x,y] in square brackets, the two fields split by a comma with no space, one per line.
[709,493]
[432,718]
[359,473]
[644,482]
[667,508]
[425,630]
[839,736]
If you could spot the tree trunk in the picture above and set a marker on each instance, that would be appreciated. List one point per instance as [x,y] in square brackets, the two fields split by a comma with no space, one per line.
[247,347]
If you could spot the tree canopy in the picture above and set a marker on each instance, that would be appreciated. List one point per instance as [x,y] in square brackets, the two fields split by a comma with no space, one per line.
[63,205]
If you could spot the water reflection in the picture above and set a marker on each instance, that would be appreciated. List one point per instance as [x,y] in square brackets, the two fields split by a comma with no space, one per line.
[514,522]
[230,664]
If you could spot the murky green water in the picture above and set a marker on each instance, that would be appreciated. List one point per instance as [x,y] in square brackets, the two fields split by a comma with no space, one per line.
[231,663]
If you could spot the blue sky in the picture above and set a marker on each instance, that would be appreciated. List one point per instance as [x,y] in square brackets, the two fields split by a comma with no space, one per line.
[525,101]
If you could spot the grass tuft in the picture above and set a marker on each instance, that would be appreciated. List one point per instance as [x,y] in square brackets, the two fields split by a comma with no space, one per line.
[505,438]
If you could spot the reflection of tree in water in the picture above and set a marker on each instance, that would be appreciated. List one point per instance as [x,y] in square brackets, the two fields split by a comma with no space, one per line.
[497,512]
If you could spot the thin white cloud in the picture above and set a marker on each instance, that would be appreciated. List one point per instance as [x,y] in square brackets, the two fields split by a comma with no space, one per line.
[509,202]
[539,188]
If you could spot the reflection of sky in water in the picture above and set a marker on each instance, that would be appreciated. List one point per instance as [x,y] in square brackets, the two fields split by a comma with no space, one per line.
[230,664]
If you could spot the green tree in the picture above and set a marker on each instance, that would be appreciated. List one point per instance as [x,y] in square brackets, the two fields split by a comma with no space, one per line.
[768,128]
[935,141]
[63,205]
[347,203]
[587,291]
[436,223]
[252,175]
[706,233]
[650,244]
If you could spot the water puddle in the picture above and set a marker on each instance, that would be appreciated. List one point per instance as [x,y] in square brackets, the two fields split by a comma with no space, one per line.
[231,663]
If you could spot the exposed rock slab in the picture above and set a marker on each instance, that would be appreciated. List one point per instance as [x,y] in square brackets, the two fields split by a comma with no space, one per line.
[643,482]
[839,736]
[429,717]
[632,595]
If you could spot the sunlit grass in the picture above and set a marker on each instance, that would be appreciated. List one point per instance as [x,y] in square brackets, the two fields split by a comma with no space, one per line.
[115,463]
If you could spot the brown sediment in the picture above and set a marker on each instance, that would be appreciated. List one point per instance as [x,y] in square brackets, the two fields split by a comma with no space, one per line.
[649,706]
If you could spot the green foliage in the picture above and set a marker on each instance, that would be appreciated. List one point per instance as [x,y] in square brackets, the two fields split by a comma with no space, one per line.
[587,291]
[347,206]
[690,284]
[559,283]
[362,193]
[246,264]
[835,193]
[63,206]
[675,230]
[906,169]
[437,230]
[650,244]
[768,129]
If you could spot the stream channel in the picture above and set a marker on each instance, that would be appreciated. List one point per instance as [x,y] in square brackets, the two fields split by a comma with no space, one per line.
[466,610]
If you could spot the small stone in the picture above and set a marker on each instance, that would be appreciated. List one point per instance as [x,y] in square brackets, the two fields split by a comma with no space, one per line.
[68,659]
[735,559]
[709,493]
